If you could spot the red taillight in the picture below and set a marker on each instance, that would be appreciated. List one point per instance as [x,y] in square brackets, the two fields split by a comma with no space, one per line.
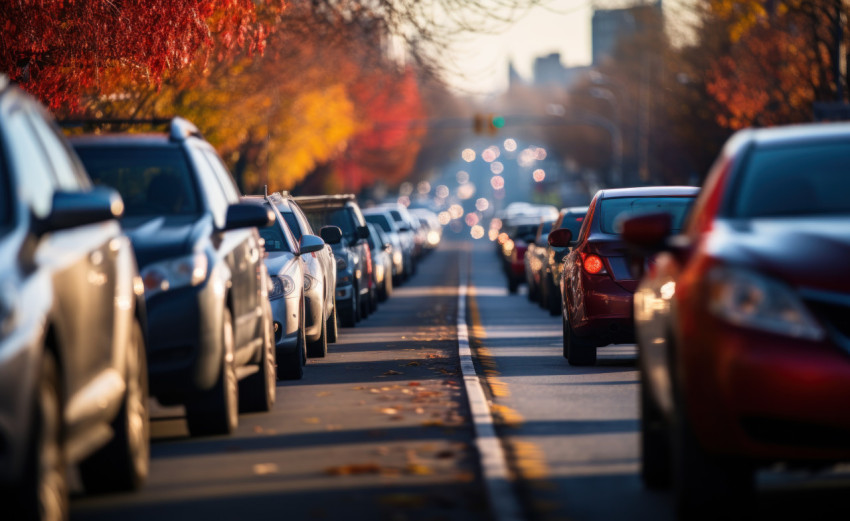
[592,263]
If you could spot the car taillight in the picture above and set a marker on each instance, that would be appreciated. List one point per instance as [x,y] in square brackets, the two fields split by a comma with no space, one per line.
[592,263]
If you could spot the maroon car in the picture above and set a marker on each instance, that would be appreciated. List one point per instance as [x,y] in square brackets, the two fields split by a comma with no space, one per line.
[596,283]
[743,321]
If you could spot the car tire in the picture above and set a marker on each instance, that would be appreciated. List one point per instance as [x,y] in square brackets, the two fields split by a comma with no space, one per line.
[291,366]
[513,285]
[553,302]
[124,462]
[257,392]
[577,350]
[350,316]
[656,465]
[332,327]
[43,493]
[705,485]
[319,348]
[532,291]
[217,411]
[364,306]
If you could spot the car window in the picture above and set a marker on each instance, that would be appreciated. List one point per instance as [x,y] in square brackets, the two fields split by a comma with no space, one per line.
[381,220]
[292,222]
[151,180]
[215,197]
[613,211]
[319,217]
[228,185]
[794,180]
[276,238]
[303,224]
[65,166]
[588,219]
[573,223]
[26,155]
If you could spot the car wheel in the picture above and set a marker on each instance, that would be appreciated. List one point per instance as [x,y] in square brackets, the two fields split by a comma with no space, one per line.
[124,462]
[553,302]
[513,285]
[319,348]
[364,306]
[656,466]
[706,486]
[257,391]
[44,490]
[351,315]
[217,411]
[532,290]
[332,329]
[291,366]
[577,350]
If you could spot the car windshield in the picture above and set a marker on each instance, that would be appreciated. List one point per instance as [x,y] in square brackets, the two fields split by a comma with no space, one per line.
[318,217]
[381,220]
[274,238]
[151,180]
[795,180]
[613,212]
[292,222]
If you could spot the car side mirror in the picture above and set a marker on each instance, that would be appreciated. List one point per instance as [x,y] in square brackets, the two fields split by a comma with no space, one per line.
[310,243]
[72,209]
[648,232]
[404,229]
[362,232]
[560,238]
[248,215]
[331,234]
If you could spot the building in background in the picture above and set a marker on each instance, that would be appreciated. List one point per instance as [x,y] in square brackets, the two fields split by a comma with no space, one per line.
[608,26]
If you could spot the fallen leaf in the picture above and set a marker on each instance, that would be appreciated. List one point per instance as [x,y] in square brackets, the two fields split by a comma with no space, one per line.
[413,384]
[412,364]
[258,429]
[312,420]
[419,410]
[418,469]
[392,372]
[354,469]
[323,394]
[261,469]
[389,410]
[432,423]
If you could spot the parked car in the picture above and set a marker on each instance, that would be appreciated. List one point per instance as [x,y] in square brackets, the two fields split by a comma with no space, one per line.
[550,294]
[431,225]
[350,248]
[381,248]
[73,377]
[203,277]
[320,282]
[283,257]
[407,231]
[402,255]
[518,235]
[742,321]
[596,284]
[535,255]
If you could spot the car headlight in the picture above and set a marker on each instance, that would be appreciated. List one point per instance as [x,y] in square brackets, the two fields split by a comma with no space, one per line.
[283,284]
[397,258]
[748,299]
[341,263]
[308,282]
[190,270]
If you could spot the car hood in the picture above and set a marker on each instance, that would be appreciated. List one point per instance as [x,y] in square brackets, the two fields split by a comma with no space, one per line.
[277,261]
[159,238]
[808,252]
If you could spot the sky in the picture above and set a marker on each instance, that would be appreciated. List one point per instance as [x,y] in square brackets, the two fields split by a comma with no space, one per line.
[557,26]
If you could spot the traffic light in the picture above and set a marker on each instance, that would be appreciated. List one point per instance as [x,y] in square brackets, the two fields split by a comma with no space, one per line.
[489,123]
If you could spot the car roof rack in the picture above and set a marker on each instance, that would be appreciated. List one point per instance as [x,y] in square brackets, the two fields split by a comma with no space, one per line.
[324,200]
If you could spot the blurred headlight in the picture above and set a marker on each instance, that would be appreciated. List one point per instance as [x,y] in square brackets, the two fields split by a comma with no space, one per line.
[341,264]
[397,258]
[190,270]
[281,286]
[747,299]
[433,238]
[308,282]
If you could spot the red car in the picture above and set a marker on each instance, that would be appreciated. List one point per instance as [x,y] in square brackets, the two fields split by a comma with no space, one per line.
[596,284]
[743,321]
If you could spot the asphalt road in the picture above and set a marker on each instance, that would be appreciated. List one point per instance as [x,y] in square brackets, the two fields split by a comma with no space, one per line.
[380,429]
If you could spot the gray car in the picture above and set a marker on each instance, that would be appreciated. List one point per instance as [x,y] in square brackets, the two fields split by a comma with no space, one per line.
[73,371]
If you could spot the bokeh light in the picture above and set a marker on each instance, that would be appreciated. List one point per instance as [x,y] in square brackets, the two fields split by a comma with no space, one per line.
[497,182]
[444,218]
[404,200]
[482,204]
[468,155]
[472,219]
[477,231]
[442,191]
[497,167]
[527,157]
[510,145]
[423,187]
[462,177]
[490,154]
[496,223]
[492,234]
[456,211]
[539,175]
[405,188]
[466,191]
[540,153]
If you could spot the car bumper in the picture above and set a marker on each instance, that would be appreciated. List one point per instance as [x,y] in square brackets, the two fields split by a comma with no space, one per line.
[184,341]
[766,396]
[313,304]
[606,313]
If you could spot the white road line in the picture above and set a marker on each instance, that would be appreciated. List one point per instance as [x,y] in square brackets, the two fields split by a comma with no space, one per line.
[501,496]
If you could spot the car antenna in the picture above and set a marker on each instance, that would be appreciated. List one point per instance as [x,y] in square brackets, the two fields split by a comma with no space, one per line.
[266,190]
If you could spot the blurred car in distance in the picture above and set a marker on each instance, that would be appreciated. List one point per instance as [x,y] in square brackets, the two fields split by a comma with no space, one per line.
[518,234]
[320,279]
[407,230]
[382,262]
[550,293]
[203,277]
[596,285]
[742,320]
[351,249]
[431,226]
[402,253]
[535,254]
[73,372]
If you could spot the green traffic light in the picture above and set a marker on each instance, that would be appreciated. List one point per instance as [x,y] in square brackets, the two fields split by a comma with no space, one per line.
[498,121]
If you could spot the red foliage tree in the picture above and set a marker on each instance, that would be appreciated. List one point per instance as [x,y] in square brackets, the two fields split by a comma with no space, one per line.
[62,49]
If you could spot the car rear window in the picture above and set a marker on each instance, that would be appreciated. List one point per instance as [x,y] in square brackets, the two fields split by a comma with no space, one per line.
[614,211]
[318,217]
[794,180]
[380,220]
[151,180]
